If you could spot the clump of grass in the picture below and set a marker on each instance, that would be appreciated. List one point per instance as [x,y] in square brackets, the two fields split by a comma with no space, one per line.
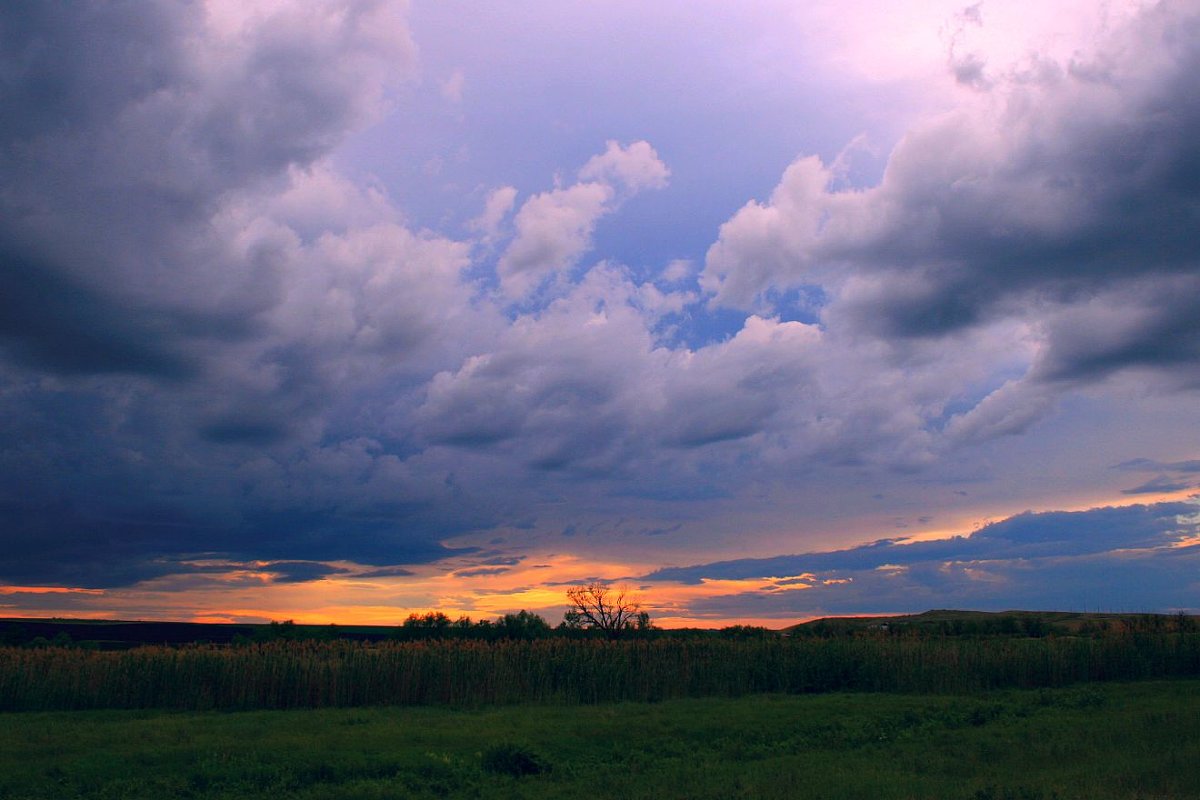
[513,759]
[1009,793]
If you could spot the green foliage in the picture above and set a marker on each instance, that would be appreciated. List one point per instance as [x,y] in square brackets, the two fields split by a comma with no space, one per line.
[1099,742]
[515,760]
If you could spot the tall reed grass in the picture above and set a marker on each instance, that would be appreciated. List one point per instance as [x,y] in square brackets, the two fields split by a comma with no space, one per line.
[285,674]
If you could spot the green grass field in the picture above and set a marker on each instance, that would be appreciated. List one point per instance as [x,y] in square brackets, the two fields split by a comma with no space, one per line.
[1096,741]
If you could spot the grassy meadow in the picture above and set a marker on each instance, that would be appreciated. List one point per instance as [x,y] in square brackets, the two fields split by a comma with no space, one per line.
[934,706]
[1099,741]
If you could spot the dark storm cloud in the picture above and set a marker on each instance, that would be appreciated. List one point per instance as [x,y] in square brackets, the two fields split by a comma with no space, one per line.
[111,162]
[49,320]
[251,430]
[106,548]
[150,156]
[62,546]
[1104,559]
[1070,196]
[1155,326]
[386,572]
[300,571]
[1059,534]
[1158,581]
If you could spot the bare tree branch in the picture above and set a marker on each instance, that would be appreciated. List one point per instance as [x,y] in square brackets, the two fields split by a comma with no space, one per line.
[599,607]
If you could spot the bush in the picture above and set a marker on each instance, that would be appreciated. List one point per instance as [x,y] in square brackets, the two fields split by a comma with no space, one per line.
[515,760]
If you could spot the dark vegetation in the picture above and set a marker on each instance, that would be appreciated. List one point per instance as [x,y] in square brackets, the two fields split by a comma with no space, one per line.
[431,660]
[1005,623]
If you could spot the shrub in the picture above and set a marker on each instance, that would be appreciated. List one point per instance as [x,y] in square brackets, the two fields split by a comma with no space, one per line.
[515,760]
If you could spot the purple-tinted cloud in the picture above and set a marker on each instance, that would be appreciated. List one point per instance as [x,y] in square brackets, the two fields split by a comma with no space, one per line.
[1067,195]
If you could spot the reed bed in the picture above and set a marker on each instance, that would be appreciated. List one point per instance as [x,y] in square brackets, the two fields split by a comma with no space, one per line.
[307,674]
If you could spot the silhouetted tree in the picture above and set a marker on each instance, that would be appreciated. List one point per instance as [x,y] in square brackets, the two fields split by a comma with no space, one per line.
[434,625]
[600,607]
[522,625]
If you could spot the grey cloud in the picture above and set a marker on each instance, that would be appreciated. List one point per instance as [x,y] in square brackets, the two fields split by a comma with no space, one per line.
[969,71]
[583,387]
[1162,483]
[386,572]
[482,572]
[1074,191]
[1160,581]
[300,571]
[252,429]
[1150,465]
[110,547]
[1153,325]
[1121,559]
[661,531]
[123,137]
[154,162]
[57,322]
[1042,535]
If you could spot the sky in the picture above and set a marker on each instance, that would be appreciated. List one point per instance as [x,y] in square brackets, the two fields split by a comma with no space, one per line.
[339,311]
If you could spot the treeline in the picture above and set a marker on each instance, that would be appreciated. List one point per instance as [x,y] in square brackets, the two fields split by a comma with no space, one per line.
[312,674]
[528,626]
[433,626]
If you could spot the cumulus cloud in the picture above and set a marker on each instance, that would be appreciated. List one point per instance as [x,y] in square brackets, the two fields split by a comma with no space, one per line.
[196,304]
[127,128]
[635,167]
[585,385]
[499,203]
[554,229]
[1066,187]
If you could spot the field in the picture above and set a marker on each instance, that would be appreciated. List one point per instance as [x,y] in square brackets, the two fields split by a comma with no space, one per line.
[321,674]
[978,707]
[1113,740]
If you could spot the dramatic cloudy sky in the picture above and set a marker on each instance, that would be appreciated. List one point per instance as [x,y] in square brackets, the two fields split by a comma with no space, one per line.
[335,310]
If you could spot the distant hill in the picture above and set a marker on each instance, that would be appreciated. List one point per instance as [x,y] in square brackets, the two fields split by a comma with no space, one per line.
[1028,623]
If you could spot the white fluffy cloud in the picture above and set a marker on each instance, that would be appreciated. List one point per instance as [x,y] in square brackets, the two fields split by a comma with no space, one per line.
[636,167]
[554,229]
